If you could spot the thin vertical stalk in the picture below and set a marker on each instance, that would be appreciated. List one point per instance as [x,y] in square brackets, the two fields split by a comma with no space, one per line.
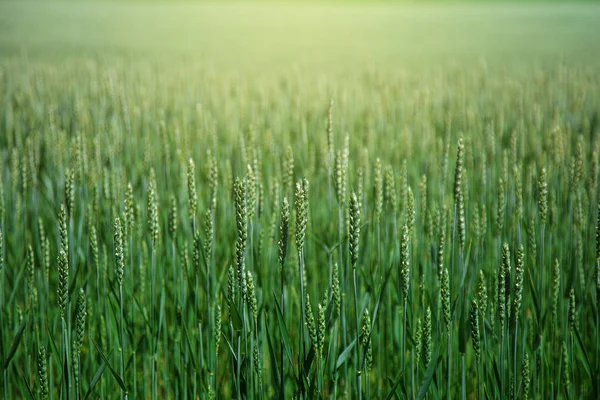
[357,346]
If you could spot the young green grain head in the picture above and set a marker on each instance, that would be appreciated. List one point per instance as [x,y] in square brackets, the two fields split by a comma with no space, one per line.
[445,298]
[336,289]
[572,310]
[242,228]
[340,178]
[231,288]
[391,198]
[119,254]
[43,372]
[555,291]
[301,212]
[191,186]
[283,235]
[518,289]
[543,196]
[501,300]
[482,297]
[213,181]
[526,376]
[378,189]
[251,297]
[251,192]
[172,217]
[366,340]
[95,256]
[152,204]
[62,228]
[501,206]
[217,331]
[418,341]
[70,190]
[474,316]
[405,262]
[209,235]
[410,211]
[354,236]
[63,282]
[81,317]
[330,128]
[458,171]
[321,329]
[441,244]
[129,209]
[288,171]
[311,323]
[427,337]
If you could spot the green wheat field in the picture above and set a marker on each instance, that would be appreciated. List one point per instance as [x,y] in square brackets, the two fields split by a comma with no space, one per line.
[299,201]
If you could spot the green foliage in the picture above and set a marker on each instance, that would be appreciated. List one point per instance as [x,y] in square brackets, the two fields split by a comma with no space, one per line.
[103,200]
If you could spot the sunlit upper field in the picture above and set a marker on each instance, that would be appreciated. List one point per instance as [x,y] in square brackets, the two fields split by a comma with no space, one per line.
[318,38]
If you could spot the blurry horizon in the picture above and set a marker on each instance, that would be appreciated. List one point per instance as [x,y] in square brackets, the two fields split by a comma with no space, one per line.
[270,37]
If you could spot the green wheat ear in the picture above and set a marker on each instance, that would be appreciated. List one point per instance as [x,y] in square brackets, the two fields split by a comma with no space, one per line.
[410,210]
[441,244]
[81,317]
[405,261]
[458,171]
[418,341]
[572,310]
[283,239]
[191,186]
[502,289]
[252,303]
[475,334]
[152,205]
[172,218]
[390,194]
[63,282]
[518,290]
[427,337]
[119,254]
[543,196]
[526,376]
[378,189]
[321,330]
[301,202]
[43,372]
[366,339]
[482,296]
[217,332]
[354,229]
[63,230]
[311,323]
[445,296]
[231,288]
[241,217]
[555,291]
[336,289]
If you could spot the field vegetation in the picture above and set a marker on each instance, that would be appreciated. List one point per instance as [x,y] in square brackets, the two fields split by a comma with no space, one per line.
[284,201]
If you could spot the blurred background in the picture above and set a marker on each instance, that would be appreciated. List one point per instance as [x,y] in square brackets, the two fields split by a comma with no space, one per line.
[319,38]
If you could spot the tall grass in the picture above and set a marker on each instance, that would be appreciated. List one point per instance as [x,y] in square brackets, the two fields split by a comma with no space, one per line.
[145,233]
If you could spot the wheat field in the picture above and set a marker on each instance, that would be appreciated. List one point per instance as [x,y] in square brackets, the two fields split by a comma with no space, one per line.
[256,201]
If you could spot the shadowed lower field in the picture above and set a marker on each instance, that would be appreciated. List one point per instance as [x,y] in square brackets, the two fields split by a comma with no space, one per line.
[323,37]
